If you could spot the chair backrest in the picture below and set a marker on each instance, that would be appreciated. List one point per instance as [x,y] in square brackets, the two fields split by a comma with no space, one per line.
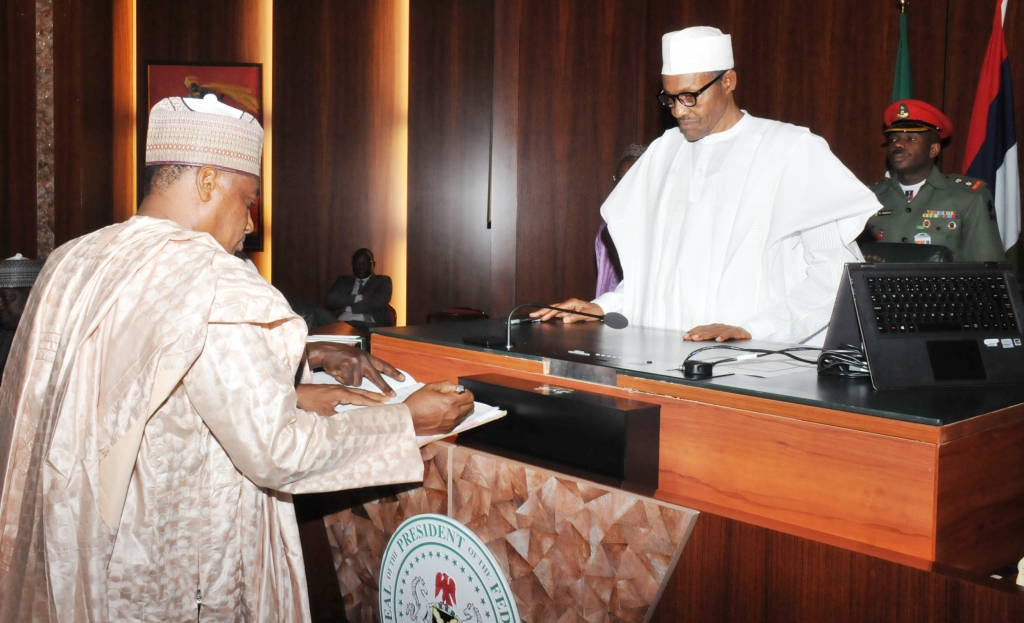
[904,253]
[305,311]
[393,315]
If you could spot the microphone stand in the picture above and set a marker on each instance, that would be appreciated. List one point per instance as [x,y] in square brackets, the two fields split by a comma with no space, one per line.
[613,320]
[508,329]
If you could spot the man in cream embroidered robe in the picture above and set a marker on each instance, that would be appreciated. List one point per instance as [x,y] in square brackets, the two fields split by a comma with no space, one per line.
[150,438]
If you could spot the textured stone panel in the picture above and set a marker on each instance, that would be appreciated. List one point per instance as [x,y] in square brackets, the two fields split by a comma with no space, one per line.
[572,551]
[44,127]
[358,536]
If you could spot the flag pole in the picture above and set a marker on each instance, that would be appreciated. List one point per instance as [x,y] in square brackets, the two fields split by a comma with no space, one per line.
[903,81]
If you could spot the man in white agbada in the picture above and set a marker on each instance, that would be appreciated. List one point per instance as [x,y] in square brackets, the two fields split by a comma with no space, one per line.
[729,226]
[151,431]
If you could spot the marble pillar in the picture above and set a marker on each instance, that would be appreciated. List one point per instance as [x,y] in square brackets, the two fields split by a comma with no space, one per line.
[44,127]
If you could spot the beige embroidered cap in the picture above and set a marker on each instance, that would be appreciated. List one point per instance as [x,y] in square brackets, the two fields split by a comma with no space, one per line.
[204,131]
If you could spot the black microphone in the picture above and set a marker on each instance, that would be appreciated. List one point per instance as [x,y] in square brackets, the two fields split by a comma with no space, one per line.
[613,320]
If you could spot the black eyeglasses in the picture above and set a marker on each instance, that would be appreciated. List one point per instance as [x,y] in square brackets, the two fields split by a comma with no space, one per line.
[686,98]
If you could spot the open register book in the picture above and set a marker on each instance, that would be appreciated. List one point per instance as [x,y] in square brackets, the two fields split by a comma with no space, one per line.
[481,414]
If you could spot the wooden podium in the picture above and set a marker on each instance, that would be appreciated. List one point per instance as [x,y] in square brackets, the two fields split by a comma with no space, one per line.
[819,498]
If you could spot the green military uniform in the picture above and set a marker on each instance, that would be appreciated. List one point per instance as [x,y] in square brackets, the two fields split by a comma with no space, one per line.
[951,210]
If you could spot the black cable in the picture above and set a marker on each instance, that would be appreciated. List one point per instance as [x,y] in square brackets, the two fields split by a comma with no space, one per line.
[847,361]
[760,352]
[696,369]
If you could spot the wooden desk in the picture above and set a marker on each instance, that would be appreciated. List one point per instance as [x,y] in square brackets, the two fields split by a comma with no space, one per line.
[893,485]
[339,328]
[344,328]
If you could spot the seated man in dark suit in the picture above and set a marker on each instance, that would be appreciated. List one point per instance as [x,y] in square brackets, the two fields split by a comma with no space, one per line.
[362,300]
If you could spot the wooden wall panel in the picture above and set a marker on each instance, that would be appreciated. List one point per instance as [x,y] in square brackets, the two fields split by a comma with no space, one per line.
[124,98]
[577,116]
[449,155]
[17,128]
[828,67]
[504,193]
[335,125]
[981,531]
[83,117]
[733,572]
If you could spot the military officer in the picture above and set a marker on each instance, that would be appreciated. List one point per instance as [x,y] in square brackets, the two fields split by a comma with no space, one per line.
[922,205]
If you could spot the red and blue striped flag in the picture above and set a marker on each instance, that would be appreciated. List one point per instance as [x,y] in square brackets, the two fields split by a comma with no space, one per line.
[992,141]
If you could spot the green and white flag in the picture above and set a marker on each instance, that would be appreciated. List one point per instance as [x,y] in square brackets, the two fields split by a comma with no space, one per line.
[903,82]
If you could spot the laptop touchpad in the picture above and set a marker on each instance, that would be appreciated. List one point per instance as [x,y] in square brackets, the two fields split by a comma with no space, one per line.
[956,360]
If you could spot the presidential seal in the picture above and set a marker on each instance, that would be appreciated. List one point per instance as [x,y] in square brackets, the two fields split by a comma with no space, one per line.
[435,570]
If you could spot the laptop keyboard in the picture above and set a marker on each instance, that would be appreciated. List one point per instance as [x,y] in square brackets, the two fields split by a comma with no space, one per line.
[941,304]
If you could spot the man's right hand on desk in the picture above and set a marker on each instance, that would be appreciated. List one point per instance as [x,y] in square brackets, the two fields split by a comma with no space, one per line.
[323,399]
[573,304]
[437,408]
[718,332]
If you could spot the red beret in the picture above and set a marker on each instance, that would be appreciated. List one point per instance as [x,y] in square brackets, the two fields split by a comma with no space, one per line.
[916,116]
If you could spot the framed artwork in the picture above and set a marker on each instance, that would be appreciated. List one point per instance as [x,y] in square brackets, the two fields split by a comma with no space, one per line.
[239,85]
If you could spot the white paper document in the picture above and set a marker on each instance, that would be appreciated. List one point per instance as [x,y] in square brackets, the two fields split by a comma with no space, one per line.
[351,340]
[481,414]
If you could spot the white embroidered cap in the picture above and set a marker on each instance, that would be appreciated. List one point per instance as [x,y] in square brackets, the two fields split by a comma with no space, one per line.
[204,131]
[695,50]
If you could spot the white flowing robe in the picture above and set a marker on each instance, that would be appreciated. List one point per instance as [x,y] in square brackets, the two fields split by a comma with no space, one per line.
[748,227]
[149,438]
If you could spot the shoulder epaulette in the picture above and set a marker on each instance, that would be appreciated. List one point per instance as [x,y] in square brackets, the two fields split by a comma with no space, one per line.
[965,182]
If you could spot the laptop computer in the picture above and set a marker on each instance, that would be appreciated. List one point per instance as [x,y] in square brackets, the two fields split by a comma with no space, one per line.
[935,324]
